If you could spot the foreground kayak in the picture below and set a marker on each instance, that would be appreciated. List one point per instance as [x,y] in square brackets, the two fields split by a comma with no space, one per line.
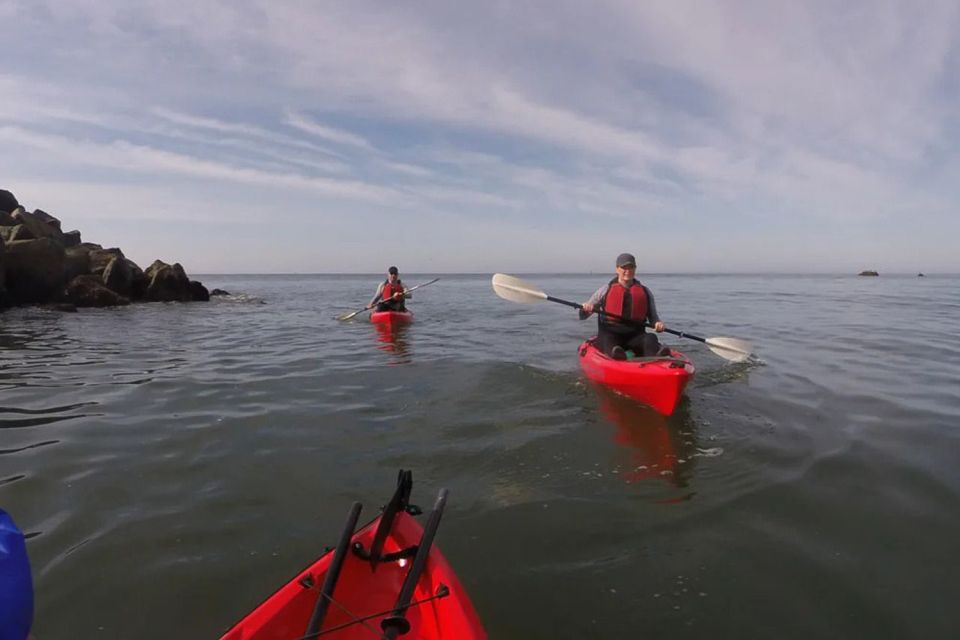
[16,588]
[385,580]
[391,317]
[657,382]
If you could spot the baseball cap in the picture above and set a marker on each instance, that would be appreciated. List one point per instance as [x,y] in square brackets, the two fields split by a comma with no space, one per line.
[393,270]
[625,259]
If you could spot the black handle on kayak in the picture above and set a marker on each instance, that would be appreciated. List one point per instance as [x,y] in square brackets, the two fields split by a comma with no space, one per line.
[333,573]
[398,503]
[396,624]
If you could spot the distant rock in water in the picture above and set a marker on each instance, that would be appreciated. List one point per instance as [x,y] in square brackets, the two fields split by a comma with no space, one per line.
[221,292]
[868,273]
[920,275]
[42,264]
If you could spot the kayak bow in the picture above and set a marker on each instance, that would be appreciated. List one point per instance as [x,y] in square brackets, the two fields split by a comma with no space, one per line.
[391,317]
[385,580]
[657,382]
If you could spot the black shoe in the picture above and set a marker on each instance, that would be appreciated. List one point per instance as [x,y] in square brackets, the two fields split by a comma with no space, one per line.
[617,353]
[664,352]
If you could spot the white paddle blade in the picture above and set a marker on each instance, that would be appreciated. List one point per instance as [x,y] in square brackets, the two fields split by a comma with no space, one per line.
[516,290]
[348,316]
[733,349]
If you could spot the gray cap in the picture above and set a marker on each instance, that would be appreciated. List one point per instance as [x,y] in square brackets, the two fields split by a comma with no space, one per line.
[393,270]
[626,258]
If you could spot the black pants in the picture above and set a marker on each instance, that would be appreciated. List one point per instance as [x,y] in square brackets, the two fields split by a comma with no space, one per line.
[645,345]
[392,305]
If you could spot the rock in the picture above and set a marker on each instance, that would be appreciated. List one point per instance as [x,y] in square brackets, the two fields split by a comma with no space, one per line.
[38,227]
[117,275]
[7,201]
[125,277]
[77,262]
[167,283]
[39,263]
[3,279]
[89,291]
[139,281]
[46,218]
[219,292]
[868,273]
[920,275]
[17,232]
[71,238]
[100,258]
[7,231]
[199,292]
[35,269]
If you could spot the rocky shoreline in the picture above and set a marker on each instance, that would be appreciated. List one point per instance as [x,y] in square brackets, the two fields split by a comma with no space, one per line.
[41,264]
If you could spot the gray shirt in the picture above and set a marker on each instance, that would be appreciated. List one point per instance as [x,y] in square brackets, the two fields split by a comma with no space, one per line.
[377,295]
[652,315]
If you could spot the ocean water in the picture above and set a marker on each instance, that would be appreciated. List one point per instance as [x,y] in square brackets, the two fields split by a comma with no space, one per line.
[173,464]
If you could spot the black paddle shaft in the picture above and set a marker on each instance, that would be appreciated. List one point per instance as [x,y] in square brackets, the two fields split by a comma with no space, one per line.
[577,305]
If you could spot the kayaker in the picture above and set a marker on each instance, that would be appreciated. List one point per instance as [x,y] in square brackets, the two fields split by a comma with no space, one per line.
[625,296]
[390,293]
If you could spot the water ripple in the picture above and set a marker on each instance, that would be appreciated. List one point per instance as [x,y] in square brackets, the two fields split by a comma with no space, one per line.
[229,439]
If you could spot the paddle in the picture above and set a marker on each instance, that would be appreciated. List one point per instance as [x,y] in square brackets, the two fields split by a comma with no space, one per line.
[348,316]
[517,290]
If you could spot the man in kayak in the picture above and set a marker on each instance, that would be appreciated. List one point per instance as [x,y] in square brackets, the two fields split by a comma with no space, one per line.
[625,296]
[390,293]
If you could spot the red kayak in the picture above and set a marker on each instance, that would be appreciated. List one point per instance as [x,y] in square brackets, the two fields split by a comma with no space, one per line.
[391,317]
[657,382]
[386,580]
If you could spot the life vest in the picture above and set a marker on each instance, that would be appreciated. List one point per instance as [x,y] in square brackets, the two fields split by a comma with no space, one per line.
[630,303]
[391,288]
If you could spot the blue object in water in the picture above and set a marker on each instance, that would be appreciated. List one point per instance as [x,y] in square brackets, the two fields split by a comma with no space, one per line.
[16,589]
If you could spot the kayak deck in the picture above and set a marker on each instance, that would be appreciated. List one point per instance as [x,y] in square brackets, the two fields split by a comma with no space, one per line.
[656,382]
[389,559]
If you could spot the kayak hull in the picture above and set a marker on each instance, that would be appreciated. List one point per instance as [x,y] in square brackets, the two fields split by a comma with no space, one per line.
[391,318]
[364,591]
[656,382]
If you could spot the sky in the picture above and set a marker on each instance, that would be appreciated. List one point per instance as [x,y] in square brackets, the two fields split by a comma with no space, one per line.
[271,136]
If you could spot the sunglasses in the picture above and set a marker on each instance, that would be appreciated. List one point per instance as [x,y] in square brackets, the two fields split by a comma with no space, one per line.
[627,267]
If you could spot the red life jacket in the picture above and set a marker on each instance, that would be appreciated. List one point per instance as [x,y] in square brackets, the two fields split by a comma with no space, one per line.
[630,303]
[390,289]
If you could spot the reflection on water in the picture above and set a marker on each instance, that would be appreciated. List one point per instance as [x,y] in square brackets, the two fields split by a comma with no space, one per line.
[661,447]
[394,339]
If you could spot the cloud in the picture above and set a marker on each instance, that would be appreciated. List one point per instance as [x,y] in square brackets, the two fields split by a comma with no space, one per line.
[301,122]
[771,114]
[125,156]
[238,128]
